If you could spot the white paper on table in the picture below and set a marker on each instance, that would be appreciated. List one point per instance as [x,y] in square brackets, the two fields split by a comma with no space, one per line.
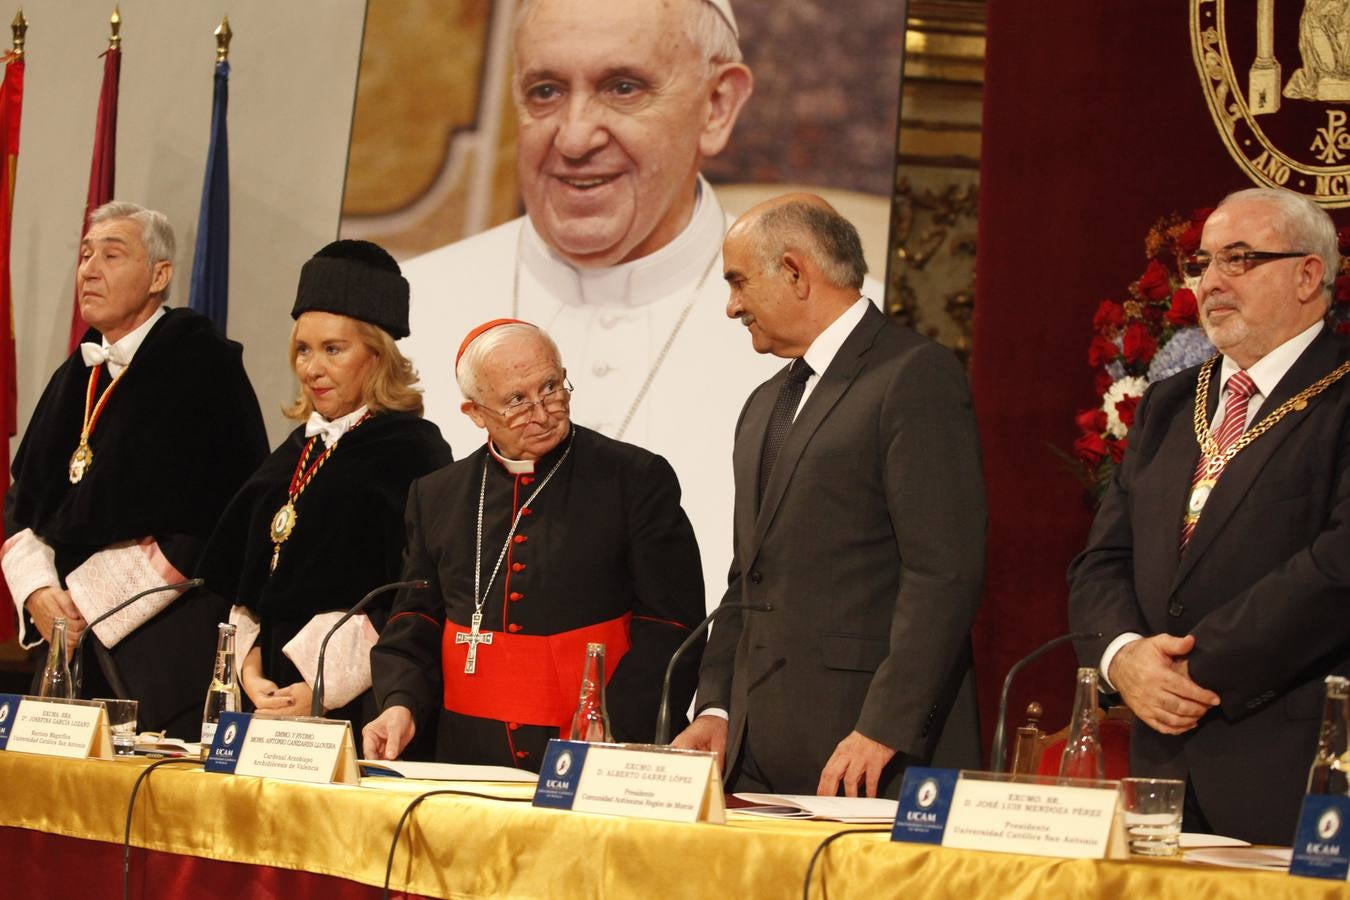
[1271,859]
[430,771]
[1193,841]
[859,810]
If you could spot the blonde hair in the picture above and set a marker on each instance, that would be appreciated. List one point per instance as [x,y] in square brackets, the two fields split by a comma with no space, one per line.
[389,386]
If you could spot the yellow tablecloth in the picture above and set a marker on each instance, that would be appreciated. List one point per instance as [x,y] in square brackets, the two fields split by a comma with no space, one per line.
[464,847]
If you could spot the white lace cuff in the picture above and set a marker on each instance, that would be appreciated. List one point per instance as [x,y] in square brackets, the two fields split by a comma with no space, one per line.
[29,564]
[347,663]
[113,575]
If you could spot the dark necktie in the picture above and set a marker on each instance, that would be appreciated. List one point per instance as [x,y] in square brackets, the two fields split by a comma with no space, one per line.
[784,410]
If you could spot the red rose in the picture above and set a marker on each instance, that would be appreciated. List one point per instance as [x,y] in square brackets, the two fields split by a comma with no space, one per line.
[1092,421]
[1154,283]
[1101,382]
[1189,242]
[1090,448]
[1116,449]
[1101,351]
[1125,409]
[1109,315]
[1184,310]
[1138,346]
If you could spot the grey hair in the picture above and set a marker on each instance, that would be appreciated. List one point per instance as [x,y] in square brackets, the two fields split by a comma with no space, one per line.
[467,370]
[1303,223]
[156,232]
[827,237]
[705,27]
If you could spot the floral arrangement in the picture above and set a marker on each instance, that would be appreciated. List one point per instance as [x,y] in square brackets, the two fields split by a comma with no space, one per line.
[1153,334]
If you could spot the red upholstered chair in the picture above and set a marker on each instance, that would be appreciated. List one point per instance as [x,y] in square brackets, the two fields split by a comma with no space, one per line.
[1035,752]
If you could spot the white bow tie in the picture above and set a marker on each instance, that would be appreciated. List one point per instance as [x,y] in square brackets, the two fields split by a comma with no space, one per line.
[331,431]
[96,354]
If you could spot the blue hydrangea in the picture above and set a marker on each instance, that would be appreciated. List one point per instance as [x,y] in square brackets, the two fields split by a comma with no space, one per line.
[1188,347]
[1115,369]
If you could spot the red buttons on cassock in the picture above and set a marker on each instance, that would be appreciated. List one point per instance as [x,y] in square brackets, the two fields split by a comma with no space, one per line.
[513,627]
[516,595]
[521,754]
[513,725]
[527,479]
[526,511]
[520,539]
[517,567]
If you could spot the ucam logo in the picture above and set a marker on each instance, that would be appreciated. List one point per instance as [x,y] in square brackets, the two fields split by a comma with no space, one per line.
[231,732]
[564,763]
[1328,824]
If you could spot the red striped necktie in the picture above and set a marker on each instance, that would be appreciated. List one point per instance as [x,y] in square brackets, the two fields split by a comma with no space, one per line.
[1237,392]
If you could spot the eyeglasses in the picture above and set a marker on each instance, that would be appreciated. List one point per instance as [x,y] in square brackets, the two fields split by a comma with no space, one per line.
[553,400]
[1232,262]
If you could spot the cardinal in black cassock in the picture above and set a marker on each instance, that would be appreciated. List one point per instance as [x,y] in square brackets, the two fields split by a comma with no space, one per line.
[575,538]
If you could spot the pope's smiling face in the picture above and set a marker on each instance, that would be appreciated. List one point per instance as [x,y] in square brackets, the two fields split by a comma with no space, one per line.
[614,103]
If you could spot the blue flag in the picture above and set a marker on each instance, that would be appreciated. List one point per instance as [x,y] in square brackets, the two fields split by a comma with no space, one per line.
[210,290]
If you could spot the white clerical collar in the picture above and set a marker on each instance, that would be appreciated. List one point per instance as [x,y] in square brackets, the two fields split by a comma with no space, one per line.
[333,429]
[119,353]
[636,283]
[514,466]
[1269,369]
[826,345]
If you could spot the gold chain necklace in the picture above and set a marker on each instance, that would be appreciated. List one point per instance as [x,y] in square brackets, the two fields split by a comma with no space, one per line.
[1214,460]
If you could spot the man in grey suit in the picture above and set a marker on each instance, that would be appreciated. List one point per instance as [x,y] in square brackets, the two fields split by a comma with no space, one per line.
[859,525]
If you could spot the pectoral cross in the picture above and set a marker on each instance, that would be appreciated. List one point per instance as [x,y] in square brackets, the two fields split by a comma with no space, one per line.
[473,637]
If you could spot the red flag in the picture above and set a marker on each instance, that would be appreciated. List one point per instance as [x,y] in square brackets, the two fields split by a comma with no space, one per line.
[101,169]
[11,107]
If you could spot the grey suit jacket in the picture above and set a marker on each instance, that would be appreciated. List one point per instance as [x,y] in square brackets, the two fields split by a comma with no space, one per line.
[1263,585]
[868,544]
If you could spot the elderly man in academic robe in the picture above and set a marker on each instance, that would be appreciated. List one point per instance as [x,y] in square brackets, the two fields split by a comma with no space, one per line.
[137,443]
[549,537]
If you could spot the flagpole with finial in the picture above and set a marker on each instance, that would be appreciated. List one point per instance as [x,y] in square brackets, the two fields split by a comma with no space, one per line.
[20,28]
[115,23]
[223,35]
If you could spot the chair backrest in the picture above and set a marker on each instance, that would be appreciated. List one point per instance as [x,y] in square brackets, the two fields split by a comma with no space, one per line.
[1035,752]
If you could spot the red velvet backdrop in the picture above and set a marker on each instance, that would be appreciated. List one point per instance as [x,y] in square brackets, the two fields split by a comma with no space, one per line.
[1095,125]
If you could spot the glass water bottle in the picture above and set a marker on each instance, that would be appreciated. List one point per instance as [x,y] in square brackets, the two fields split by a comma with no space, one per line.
[1083,757]
[223,694]
[56,680]
[591,720]
[1328,773]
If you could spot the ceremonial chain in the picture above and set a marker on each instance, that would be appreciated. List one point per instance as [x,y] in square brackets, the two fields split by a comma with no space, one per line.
[83,457]
[1216,461]
[283,523]
[475,635]
[670,339]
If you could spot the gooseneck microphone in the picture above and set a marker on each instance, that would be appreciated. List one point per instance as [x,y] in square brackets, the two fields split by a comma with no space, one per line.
[663,714]
[999,752]
[77,660]
[316,702]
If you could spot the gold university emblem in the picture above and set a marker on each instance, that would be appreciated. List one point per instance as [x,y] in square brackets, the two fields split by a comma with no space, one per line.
[1276,76]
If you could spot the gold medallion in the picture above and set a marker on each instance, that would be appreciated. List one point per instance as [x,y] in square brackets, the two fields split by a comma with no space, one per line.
[1199,496]
[283,523]
[80,461]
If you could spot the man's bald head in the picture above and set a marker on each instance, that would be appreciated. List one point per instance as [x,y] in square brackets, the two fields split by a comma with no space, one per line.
[808,224]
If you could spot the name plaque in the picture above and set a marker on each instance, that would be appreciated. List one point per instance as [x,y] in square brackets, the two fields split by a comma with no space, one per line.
[636,780]
[1075,821]
[1322,843]
[74,729]
[319,751]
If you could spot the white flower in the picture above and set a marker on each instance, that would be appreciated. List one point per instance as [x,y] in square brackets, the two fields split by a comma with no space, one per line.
[1132,386]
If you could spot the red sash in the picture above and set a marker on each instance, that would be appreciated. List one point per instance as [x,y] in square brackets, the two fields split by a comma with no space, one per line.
[527,678]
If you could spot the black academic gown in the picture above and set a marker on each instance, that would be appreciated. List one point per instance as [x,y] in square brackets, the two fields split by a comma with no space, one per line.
[605,542]
[348,537]
[178,436]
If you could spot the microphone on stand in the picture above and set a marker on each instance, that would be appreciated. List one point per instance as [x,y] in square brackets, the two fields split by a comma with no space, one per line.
[316,703]
[663,714]
[999,751]
[77,658]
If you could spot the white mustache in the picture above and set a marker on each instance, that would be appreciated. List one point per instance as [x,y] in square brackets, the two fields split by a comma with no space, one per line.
[747,319]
